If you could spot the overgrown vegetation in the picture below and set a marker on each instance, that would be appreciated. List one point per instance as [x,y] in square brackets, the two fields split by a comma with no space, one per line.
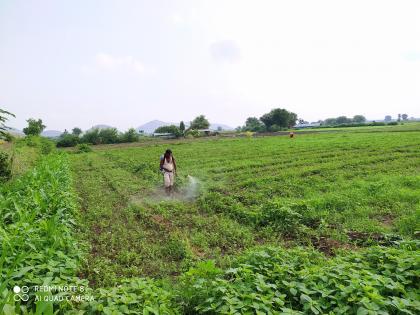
[5,166]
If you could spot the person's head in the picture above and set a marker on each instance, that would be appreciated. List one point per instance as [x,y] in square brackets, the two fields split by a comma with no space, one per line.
[168,153]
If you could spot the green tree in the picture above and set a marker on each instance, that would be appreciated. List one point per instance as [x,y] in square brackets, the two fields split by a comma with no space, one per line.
[91,136]
[169,129]
[330,121]
[388,118]
[200,122]
[404,116]
[67,140]
[254,124]
[130,135]
[343,120]
[108,135]
[3,118]
[77,131]
[359,119]
[35,127]
[280,117]
[182,126]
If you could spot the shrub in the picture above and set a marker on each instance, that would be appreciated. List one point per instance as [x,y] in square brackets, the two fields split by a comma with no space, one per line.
[83,148]
[68,140]
[131,135]
[5,166]
[192,133]
[32,141]
[47,146]
[91,136]
[108,135]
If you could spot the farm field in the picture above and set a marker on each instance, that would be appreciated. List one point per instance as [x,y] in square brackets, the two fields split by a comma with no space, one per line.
[322,223]
[328,186]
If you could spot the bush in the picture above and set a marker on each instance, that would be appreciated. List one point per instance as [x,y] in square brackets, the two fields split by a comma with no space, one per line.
[91,136]
[130,135]
[101,136]
[5,166]
[32,141]
[108,136]
[47,146]
[68,140]
[83,148]
[192,133]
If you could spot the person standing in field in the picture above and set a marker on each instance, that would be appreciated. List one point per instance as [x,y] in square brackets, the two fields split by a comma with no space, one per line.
[168,168]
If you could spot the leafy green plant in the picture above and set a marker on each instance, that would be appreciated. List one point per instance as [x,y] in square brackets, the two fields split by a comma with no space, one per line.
[83,148]
[134,296]
[5,166]
[46,146]
[273,280]
[281,217]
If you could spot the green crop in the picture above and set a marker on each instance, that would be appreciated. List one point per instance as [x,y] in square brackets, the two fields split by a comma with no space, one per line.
[274,280]
[318,224]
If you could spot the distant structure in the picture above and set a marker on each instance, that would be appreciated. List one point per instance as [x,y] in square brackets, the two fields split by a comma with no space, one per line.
[207,132]
[164,135]
[311,125]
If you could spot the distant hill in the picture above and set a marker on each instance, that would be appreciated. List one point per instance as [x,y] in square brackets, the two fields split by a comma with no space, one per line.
[151,126]
[15,131]
[224,127]
[51,133]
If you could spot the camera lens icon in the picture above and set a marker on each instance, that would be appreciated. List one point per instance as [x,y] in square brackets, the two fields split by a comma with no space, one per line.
[21,293]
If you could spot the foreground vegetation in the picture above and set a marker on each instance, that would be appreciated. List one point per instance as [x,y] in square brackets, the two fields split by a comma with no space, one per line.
[322,223]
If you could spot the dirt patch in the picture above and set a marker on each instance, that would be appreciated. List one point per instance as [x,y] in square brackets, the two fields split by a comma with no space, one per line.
[161,221]
[329,246]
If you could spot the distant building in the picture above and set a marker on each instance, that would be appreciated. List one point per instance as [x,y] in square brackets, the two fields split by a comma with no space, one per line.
[164,135]
[208,132]
[311,125]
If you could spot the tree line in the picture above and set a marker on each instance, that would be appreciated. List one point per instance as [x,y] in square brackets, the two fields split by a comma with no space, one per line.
[275,120]
[198,123]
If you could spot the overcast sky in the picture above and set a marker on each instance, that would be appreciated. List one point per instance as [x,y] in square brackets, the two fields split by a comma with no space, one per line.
[123,63]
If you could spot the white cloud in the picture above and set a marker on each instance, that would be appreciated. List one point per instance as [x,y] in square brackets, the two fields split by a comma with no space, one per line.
[110,62]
